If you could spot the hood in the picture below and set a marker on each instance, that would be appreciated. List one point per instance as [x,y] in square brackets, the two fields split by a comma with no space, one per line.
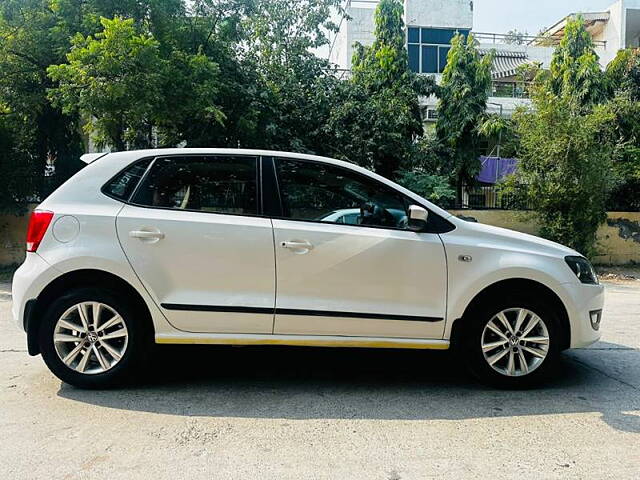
[501,237]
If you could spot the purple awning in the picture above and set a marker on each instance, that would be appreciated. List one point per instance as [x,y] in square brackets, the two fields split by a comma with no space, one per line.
[494,169]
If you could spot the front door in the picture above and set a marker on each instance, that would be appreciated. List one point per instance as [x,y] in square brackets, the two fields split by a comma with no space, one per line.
[347,263]
[192,235]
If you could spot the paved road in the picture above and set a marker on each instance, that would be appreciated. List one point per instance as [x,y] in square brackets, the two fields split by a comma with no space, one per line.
[337,414]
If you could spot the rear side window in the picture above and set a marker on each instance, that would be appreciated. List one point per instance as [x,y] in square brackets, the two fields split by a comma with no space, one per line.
[216,184]
[123,185]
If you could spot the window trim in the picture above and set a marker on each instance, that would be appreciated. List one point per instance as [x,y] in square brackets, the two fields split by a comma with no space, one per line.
[420,44]
[408,201]
[129,201]
[270,189]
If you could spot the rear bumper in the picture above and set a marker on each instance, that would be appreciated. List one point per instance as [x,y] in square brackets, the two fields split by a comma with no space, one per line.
[581,300]
[28,282]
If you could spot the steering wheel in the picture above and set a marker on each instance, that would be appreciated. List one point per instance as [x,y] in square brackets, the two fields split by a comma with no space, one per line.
[373,214]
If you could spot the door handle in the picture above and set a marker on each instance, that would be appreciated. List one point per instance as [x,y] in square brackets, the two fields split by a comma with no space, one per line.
[146,234]
[300,246]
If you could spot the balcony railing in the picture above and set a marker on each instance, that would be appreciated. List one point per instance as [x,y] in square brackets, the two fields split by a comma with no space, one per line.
[521,39]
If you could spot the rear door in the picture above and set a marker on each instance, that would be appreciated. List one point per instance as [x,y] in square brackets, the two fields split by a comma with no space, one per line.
[193,235]
[369,277]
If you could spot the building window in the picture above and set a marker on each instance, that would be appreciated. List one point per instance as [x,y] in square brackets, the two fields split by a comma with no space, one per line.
[428,48]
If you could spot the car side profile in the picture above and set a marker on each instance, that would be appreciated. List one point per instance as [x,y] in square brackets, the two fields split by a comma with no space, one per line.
[249,247]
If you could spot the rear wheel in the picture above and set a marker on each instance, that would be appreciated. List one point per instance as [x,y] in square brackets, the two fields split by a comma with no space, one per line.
[93,338]
[511,343]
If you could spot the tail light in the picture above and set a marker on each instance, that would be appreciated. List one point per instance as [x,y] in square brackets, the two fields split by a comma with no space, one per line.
[38,224]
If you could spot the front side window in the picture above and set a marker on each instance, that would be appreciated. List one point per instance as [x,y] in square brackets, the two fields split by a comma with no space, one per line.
[326,193]
[216,184]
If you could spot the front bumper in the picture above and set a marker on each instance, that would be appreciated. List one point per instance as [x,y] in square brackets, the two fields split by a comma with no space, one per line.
[581,300]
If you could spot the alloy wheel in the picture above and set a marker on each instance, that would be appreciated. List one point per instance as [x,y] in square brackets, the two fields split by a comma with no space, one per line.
[515,342]
[90,337]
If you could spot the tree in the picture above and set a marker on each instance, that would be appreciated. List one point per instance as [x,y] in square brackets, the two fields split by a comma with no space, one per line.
[37,134]
[379,122]
[565,162]
[623,73]
[422,173]
[219,30]
[515,37]
[296,89]
[463,101]
[623,81]
[567,144]
[575,72]
[113,78]
[500,134]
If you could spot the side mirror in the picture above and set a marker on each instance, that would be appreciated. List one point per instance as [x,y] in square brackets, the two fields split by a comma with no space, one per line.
[418,218]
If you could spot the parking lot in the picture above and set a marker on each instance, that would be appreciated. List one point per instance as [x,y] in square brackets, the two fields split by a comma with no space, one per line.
[321,413]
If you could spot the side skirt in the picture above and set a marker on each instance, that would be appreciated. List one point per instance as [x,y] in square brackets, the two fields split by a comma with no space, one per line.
[301,341]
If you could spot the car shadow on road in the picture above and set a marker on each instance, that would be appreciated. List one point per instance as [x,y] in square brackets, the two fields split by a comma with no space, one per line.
[316,383]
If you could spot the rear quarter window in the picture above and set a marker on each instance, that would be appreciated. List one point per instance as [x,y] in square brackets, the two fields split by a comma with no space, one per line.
[123,184]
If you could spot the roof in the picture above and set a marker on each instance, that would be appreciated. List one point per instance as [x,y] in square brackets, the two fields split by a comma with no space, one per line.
[505,63]
[594,23]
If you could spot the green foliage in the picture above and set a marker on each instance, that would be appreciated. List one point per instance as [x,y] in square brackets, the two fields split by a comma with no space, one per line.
[463,102]
[435,188]
[190,91]
[422,173]
[575,72]
[573,141]
[138,73]
[17,173]
[626,167]
[378,121]
[623,73]
[515,37]
[566,163]
[500,134]
[296,89]
[113,77]
[36,134]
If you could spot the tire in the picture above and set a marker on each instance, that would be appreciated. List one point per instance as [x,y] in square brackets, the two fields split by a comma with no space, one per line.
[477,335]
[108,363]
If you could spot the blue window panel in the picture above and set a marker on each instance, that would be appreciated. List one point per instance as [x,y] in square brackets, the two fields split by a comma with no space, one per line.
[444,51]
[429,59]
[464,32]
[414,58]
[439,36]
[414,35]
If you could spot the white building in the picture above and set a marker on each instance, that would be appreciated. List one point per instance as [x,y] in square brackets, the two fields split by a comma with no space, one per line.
[432,23]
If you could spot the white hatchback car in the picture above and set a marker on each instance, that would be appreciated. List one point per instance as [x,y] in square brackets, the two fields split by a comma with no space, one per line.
[240,247]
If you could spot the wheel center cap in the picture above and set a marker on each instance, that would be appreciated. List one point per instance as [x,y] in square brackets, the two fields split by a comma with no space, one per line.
[92,337]
[513,341]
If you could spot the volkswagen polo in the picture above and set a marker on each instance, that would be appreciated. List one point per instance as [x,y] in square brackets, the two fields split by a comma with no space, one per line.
[247,247]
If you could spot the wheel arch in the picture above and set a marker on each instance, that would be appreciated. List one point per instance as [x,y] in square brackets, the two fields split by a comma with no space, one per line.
[75,279]
[515,284]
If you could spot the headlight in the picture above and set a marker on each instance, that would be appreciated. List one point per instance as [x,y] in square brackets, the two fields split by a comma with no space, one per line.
[583,269]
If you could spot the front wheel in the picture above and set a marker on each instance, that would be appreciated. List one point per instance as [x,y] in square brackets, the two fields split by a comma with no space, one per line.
[512,344]
[93,338]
